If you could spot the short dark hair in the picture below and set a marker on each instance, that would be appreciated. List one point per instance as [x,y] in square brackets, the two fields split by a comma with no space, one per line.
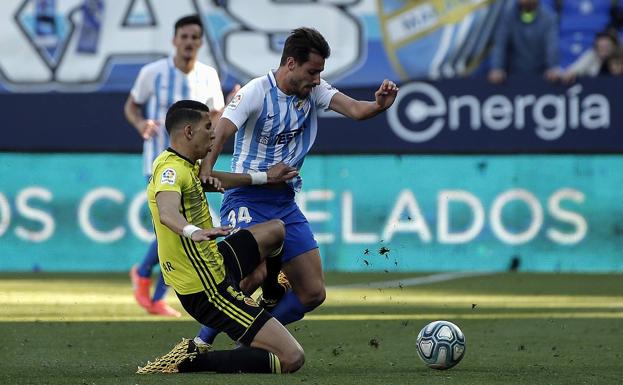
[187,20]
[182,112]
[608,34]
[616,55]
[303,41]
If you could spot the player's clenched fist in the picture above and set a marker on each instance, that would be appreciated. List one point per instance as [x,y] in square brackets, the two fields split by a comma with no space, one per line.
[386,94]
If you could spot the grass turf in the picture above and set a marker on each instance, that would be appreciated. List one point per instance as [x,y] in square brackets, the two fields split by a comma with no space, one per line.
[520,328]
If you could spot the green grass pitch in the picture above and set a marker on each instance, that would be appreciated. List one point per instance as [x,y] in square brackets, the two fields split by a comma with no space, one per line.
[520,328]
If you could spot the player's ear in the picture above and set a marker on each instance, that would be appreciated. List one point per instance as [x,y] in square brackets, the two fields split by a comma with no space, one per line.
[291,63]
[188,131]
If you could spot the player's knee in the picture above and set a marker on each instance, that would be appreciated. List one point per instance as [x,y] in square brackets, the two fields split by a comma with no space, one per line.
[292,360]
[314,298]
[278,229]
[252,281]
[276,233]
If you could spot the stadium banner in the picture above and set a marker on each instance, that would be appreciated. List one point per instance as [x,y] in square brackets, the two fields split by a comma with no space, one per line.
[470,115]
[526,115]
[99,45]
[79,212]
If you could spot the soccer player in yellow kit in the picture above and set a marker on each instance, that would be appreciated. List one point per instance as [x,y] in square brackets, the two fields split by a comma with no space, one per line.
[206,275]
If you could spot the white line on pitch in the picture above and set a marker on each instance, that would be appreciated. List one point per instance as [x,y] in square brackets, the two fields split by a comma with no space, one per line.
[415,281]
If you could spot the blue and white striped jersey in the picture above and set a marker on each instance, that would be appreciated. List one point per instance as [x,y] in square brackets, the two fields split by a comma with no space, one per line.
[274,127]
[160,84]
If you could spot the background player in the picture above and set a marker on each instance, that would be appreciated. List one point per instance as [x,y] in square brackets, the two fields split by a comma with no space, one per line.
[274,118]
[205,275]
[158,86]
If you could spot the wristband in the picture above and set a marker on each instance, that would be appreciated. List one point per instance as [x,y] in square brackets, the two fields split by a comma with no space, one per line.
[188,230]
[259,177]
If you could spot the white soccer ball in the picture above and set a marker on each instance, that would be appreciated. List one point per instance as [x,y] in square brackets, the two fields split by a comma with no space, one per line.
[441,345]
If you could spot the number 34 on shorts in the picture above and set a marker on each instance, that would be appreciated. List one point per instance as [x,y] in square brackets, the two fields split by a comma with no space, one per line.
[242,216]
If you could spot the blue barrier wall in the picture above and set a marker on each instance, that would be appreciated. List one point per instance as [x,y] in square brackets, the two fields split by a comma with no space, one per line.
[526,115]
[72,212]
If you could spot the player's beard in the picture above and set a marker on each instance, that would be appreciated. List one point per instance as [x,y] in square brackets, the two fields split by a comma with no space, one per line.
[301,90]
[188,53]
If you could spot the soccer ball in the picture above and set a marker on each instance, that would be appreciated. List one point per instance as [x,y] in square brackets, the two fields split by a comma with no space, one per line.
[441,345]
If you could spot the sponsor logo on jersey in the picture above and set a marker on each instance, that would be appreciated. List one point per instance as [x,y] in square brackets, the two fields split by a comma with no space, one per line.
[263,139]
[286,137]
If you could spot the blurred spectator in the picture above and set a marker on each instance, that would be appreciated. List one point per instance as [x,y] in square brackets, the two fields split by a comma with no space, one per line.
[526,41]
[614,63]
[579,22]
[592,62]
[616,15]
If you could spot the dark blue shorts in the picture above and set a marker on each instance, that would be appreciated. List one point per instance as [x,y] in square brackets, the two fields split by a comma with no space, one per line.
[250,205]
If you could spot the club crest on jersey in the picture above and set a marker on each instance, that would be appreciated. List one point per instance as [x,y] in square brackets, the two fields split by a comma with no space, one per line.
[233,104]
[250,301]
[168,176]
[300,104]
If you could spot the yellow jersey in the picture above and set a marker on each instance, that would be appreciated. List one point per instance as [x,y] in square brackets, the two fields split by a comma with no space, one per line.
[188,266]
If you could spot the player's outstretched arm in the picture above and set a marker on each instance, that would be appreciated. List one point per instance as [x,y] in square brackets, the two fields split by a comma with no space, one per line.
[219,181]
[360,109]
[223,131]
[169,211]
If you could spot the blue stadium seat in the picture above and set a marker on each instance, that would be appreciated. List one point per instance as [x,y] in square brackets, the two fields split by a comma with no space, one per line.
[572,45]
[587,23]
[580,7]
[584,7]
[579,22]
[551,4]
[584,15]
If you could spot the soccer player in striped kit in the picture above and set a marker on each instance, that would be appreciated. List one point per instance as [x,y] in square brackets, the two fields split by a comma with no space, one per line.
[274,118]
[159,85]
